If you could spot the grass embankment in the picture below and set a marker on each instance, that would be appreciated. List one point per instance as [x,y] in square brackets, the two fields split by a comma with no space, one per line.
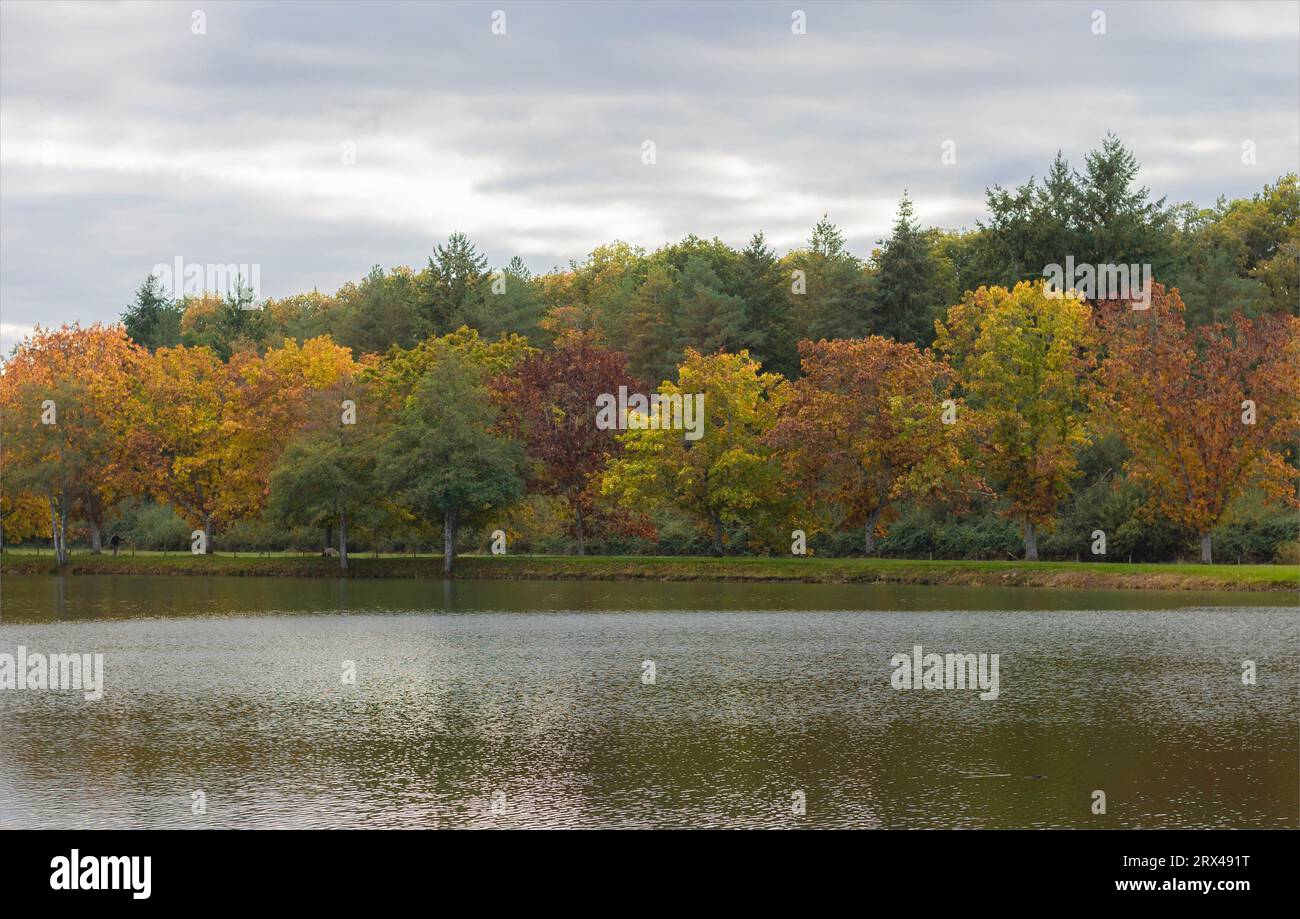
[1076,575]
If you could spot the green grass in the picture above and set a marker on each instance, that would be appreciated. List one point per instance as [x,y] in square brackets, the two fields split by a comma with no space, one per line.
[1113,575]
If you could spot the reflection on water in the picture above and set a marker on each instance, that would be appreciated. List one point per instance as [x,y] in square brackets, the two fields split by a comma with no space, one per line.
[522,704]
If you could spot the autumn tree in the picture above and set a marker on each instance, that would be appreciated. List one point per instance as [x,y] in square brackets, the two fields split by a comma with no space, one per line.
[551,400]
[206,433]
[1204,412]
[1021,358]
[305,316]
[22,515]
[726,473]
[393,376]
[864,428]
[47,457]
[63,392]
[279,387]
[181,417]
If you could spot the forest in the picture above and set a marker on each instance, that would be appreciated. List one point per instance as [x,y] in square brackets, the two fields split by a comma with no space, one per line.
[928,399]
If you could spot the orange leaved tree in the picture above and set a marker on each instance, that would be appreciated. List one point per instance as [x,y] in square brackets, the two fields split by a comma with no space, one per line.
[1205,412]
[62,395]
[865,427]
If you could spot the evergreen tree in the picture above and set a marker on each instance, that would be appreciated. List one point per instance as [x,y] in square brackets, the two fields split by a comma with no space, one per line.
[827,241]
[226,324]
[1099,217]
[653,342]
[1117,223]
[512,305]
[765,295]
[835,302]
[154,319]
[382,311]
[456,282]
[711,319]
[1215,289]
[912,285]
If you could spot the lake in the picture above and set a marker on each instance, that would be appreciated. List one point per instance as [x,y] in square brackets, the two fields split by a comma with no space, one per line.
[636,704]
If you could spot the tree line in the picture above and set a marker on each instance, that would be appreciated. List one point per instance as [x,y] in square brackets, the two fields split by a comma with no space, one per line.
[932,397]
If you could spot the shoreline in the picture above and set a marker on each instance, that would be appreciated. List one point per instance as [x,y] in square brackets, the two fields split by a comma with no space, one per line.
[1060,575]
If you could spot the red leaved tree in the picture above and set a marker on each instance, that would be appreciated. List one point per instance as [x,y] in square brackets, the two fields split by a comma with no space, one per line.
[550,402]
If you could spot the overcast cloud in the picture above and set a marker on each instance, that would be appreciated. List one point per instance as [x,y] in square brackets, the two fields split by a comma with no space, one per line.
[126,140]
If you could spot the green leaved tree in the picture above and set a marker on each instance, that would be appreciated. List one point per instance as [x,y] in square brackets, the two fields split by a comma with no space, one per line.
[444,459]
[326,475]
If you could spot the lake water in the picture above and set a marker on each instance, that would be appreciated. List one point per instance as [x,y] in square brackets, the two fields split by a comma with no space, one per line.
[508,704]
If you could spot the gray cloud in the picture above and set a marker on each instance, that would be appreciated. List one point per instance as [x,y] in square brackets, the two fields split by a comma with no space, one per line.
[126,141]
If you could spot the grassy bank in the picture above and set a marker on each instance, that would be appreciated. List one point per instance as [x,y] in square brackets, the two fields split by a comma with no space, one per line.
[814,570]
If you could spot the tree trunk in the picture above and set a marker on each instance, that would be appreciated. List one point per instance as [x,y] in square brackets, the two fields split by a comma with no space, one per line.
[343,540]
[448,541]
[869,536]
[577,521]
[54,532]
[207,535]
[59,530]
[96,545]
[329,535]
[1031,541]
[1207,557]
[717,536]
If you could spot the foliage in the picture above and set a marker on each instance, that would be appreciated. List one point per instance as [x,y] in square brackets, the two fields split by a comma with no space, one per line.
[65,435]
[1021,359]
[863,428]
[551,400]
[727,474]
[217,412]
[443,459]
[1204,412]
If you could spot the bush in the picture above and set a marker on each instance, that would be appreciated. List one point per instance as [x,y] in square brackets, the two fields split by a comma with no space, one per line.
[1287,553]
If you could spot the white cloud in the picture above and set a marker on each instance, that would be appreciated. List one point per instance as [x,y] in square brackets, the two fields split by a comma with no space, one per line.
[126,140]
[11,333]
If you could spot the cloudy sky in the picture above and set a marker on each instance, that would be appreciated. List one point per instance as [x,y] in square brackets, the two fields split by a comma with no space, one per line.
[127,140]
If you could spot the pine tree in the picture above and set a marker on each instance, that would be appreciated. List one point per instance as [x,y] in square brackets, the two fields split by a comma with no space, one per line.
[653,340]
[456,281]
[835,302]
[154,319]
[711,319]
[911,284]
[765,295]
